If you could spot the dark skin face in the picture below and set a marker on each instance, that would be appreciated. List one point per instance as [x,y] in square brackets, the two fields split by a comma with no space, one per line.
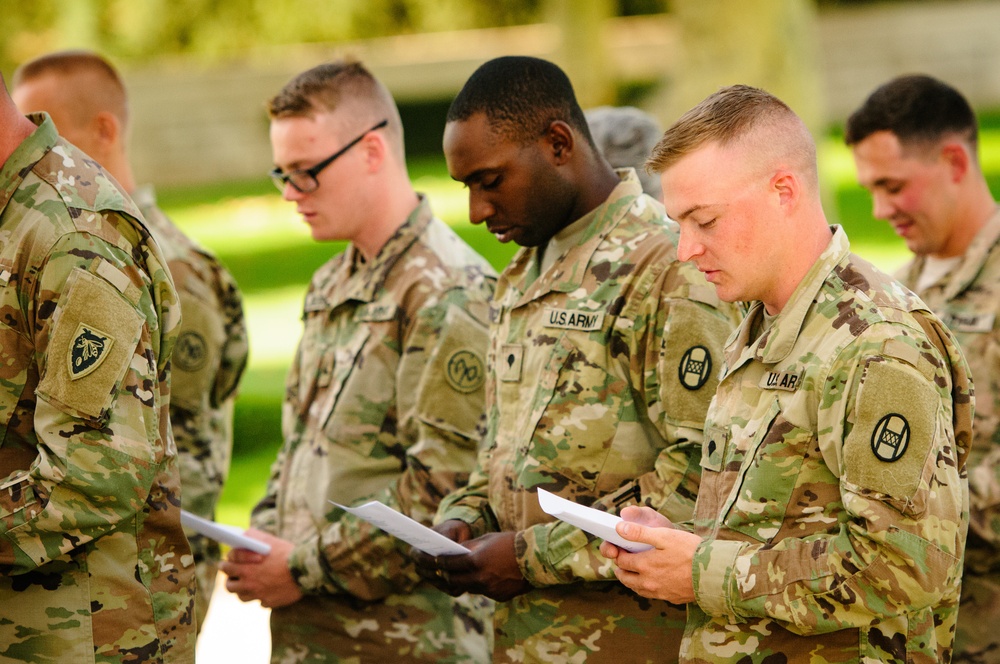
[525,193]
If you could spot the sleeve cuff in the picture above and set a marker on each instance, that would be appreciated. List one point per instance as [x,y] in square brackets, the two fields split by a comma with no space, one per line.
[713,569]
[477,524]
[306,567]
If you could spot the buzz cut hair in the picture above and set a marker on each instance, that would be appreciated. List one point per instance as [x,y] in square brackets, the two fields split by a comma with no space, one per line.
[741,114]
[75,62]
[520,97]
[920,110]
[343,83]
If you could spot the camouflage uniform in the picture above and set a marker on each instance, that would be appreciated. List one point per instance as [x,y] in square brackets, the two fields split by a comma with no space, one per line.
[834,498]
[599,375]
[208,360]
[94,566]
[384,401]
[968,301]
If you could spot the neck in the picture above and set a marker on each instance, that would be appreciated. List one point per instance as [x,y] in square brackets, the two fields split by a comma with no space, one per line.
[807,248]
[388,213]
[16,127]
[976,207]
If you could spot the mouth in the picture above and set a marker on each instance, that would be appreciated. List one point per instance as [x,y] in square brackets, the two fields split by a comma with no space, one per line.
[502,235]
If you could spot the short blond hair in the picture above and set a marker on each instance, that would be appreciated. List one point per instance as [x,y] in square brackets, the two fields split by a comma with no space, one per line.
[111,97]
[740,114]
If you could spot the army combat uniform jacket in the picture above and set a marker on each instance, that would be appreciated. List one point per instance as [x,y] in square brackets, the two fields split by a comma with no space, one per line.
[94,566]
[600,372]
[206,366]
[834,499]
[384,402]
[968,301]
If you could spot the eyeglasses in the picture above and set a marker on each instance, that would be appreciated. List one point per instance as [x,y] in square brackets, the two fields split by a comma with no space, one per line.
[304,179]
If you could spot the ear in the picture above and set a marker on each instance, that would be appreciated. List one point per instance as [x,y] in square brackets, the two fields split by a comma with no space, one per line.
[107,128]
[376,151]
[787,187]
[957,158]
[560,141]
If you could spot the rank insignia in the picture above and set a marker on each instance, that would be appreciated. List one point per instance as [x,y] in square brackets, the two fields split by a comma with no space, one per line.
[90,347]
[891,437]
[695,367]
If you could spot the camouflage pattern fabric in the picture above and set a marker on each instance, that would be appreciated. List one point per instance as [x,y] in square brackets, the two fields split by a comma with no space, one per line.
[600,372]
[968,301]
[206,366]
[384,402]
[94,565]
[834,497]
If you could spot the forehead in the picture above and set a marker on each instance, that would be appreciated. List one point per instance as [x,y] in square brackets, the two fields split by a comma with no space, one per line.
[709,175]
[301,136]
[472,144]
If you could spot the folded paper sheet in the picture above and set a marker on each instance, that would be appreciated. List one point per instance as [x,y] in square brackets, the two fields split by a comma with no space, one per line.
[412,532]
[595,522]
[231,535]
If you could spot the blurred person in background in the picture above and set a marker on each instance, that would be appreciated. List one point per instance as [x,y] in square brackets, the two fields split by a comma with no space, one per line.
[86,99]
[625,135]
[915,145]
[384,399]
[94,565]
[603,348]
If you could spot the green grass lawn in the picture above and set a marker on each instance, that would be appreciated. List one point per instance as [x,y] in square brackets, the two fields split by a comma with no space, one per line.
[269,251]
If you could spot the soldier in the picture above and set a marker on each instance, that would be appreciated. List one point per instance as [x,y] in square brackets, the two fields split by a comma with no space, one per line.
[833,505]
[384,399]
[85,97]
[94,565]
[600,369]
[915,146]
[625,135]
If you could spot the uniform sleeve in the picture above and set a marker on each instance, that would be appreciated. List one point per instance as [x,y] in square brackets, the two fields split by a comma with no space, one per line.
[896,421]
[94,346]
[675,350]
[440,381]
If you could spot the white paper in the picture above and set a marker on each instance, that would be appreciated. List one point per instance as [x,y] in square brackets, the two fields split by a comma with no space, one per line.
[220,532]
[412,532]
[595,522]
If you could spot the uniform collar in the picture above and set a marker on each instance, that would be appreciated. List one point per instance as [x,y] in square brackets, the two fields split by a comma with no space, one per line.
[26,155]
[568,271]
[777,342]
[358,279]
[972,262]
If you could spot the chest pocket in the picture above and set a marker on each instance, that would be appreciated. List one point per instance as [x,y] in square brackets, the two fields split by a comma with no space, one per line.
[575,413]
[769,460]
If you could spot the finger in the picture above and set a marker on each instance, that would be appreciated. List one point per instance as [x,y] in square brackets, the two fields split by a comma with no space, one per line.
[609,550]
[658,537]
[645,516]
[245,556]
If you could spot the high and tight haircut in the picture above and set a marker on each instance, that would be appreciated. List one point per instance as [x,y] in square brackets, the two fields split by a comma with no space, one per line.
[73,63]
[732,115]
[920,110]
[327,87]
[520,97]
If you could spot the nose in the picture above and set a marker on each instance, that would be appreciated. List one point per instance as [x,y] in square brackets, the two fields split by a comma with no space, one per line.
[290,193]
[479,209]
[689,247]
[882,207]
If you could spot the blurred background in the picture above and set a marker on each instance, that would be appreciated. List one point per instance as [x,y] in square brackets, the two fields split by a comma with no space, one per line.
[200,71]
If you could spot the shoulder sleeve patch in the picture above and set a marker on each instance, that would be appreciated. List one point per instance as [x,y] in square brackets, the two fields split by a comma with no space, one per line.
[894,431]
[94,335]
[691,357]
[451,389]
[195,360]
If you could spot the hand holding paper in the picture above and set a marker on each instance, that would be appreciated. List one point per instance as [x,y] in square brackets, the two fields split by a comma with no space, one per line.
[595,522]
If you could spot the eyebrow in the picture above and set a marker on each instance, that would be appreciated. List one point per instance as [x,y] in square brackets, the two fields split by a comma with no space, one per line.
[476,175]
[691,210]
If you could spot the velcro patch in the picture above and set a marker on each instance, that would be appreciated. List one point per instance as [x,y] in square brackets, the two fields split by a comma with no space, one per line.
[780,380]
[97,326]
[894,430]
[572,319]
[89,348]
[510,359]
[695,367]
[960,322]
[376,312]
[465,371]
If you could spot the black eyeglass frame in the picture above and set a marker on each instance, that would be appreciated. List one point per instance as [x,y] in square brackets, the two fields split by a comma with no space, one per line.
[280,178]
